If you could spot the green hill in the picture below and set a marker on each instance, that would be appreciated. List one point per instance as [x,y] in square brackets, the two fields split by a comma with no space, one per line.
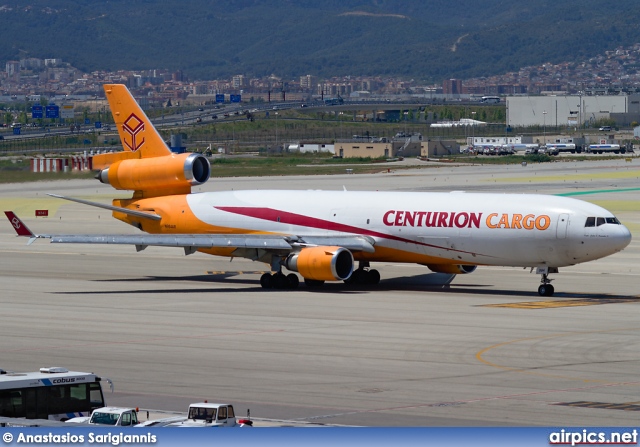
[430,40]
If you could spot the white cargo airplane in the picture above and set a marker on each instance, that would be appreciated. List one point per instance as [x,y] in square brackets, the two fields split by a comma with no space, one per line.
[321,234]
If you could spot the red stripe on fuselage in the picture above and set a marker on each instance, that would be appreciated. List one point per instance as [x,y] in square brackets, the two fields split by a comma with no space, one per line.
[285,217]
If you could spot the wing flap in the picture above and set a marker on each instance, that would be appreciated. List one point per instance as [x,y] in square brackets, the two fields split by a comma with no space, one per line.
[178,240]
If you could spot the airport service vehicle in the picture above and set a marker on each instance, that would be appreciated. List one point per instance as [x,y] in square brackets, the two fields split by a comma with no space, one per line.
[332,235]
[52,393]
[116,416]
[606,148]
[202,414]
[522,147]
[555,148]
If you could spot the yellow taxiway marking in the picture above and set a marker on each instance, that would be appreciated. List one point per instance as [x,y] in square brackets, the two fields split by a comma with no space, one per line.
[562,303]
[25,207]
[571,177]
[480,355]
[626,406]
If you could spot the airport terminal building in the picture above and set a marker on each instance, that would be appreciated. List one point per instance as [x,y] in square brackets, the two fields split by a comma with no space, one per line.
[572,110]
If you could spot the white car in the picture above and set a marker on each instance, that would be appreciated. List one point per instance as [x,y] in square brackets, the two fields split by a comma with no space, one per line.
[116,416]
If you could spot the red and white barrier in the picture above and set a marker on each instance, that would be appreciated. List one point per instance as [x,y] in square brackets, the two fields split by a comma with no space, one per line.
[77,162]
[48,164]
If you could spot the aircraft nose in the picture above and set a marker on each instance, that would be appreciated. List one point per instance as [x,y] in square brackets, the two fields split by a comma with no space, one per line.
[623,238]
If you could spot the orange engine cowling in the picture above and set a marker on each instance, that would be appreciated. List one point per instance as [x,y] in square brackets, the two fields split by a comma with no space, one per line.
[322,263]
[175,171]
[452,268]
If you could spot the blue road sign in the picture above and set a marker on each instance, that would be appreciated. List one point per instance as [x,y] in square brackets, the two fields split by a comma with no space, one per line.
[16,131]
[37,112]
[52,111]
[219,98]
[98,124]
[234,98]
[87,121]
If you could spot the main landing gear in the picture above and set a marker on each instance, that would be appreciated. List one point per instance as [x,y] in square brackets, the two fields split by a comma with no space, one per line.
[364,275]
[279,281]
[545,288]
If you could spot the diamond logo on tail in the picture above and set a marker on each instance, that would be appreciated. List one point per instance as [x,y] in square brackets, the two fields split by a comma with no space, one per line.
[133,126]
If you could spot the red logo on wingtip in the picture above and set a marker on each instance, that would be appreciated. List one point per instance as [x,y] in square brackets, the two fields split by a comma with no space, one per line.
[133,126]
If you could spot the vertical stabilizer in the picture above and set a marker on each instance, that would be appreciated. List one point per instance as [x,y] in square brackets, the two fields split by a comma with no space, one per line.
[137,134]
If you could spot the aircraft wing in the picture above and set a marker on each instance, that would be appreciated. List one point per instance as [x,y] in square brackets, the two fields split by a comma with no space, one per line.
[192,242]
[195,241]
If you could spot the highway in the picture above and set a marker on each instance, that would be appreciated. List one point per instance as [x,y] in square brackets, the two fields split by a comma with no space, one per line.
[488,351]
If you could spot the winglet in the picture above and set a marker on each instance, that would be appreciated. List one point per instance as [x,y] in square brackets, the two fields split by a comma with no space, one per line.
[20,227]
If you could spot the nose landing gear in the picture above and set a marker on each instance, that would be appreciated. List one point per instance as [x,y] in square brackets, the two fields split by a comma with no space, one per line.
[545,288]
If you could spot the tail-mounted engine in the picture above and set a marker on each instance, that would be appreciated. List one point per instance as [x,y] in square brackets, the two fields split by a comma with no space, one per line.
[170,174]
[452,269]
[322,263]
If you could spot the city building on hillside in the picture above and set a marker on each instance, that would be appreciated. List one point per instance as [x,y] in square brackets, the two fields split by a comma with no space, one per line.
[52,62]
[452,87]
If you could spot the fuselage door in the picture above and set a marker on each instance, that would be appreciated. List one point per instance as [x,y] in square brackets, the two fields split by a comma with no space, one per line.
[563,223]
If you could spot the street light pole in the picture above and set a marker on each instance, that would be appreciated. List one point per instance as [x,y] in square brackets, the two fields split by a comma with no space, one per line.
[544,115]
[473,129]
[405,123]
[276,130]
[580,113]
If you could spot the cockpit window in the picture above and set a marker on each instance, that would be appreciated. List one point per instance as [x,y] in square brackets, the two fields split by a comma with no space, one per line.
[597,221]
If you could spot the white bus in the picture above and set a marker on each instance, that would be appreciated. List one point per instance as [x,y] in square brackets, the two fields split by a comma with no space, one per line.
[490,99]
[51,393]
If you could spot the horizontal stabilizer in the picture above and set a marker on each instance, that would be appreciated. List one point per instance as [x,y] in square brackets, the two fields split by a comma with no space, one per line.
[142,214]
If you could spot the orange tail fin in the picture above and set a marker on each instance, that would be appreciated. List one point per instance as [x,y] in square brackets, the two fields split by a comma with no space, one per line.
[136,131]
